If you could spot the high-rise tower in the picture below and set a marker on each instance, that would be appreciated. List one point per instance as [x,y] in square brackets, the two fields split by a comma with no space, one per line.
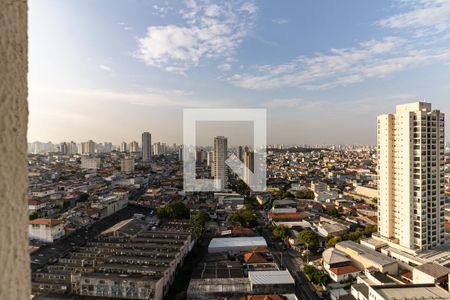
[220,155]
[146,146]
[411,186]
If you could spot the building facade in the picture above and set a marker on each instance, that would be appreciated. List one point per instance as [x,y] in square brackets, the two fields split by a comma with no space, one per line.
[127,164]
[411,187]
[146,146]
[220,155]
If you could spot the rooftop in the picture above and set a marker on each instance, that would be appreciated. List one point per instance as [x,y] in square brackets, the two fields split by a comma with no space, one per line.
[344,270]
[270,277]
[366,252]
[406,292]
[236,242]
[332,256]
[434,270]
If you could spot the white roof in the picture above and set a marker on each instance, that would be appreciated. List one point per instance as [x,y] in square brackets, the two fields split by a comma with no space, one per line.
[255,241]
[270,277]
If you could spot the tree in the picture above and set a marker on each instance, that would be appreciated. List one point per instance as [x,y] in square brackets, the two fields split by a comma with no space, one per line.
[369,230]
[306,194]
[334,212]
[332,241]
[308,238]
[316,276]
[242,217]
[198,223]
[173,210]
[34,215]
[279,232]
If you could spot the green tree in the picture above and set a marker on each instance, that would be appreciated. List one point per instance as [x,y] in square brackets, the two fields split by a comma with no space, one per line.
[334,212]
[242,217]
[173,210]
[34,215]
[198,223]
[369,230]
[316,276]
[333,241]
[306,194]
[279,232]
[308,238]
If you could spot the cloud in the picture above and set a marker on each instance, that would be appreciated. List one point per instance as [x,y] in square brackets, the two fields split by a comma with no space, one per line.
[149,97]
[284,103]
[125,26]
[209,30]
[424,17]
[224,67]
[105,68]
[340,67]
[280,21]
[162,10]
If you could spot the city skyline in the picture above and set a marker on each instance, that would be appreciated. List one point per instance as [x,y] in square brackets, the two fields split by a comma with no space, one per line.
[115,73]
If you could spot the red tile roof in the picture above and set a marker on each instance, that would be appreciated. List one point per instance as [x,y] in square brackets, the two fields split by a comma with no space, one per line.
[297,215]
[344,270]
[254,258]
[47,222]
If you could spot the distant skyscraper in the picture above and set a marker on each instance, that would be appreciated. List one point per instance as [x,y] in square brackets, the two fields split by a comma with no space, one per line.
[249,162]
[63,148]
[210,158]
[134,147]
[180,153]
[201,156]
[411,176]
[146,146]
[72,148]
[241,153]
[88,147]
[123,147]
[220,155]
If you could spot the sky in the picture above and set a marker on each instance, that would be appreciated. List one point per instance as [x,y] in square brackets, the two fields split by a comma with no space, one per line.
[109,70]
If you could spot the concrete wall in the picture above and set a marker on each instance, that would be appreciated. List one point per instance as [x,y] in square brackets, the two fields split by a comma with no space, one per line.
[15,279]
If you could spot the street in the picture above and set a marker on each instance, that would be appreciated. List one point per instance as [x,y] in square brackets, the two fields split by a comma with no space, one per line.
[303,289]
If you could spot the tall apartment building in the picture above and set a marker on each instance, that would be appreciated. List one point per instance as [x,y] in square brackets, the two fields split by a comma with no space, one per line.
[220,155]
[411,186]
[249,162]
[123,147]
[146,146]
[63,148]
[241,153]
[88,147]
[133,147]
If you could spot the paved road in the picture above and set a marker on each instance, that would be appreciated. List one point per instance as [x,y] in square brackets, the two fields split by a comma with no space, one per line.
[303,289]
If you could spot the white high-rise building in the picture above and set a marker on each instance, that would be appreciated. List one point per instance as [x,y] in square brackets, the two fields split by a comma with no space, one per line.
[123,147]
[73,148]
[220,155]
[146,146]
[249,162]
[88,147]
[133,147]
[411,186]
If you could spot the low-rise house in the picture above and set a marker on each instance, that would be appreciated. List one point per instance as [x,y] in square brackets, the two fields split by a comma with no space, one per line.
[45,230]
[340,274]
